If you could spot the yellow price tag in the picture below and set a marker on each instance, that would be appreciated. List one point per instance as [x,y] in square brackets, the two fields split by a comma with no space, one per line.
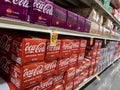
[91,41]
[105,41]
[98,78]
[53,38]
[113,64]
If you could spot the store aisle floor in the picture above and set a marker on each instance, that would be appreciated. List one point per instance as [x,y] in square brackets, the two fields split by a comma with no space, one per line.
[110,79]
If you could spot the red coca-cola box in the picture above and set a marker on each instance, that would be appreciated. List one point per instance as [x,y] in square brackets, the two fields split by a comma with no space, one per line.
[80,58]
[76,82]
[26,49]
[46,84]
[73,60]
[49,69]
[5,66]
[86,63]
[62,65]
[66,48]
[5,42]
[58,79]
[83,43]
[69,85]
[70,74]
[78,70]
[24,77]
[52,52]
[91,71]
[75,46]
[58,87]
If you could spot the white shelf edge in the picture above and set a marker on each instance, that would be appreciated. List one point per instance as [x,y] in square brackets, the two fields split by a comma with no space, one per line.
[19,25]
[90,78]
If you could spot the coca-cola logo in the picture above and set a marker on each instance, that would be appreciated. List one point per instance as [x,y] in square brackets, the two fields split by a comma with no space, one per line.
[53,48]
[5,42]
[36,88]
[44,7]
[33,72]
[71,74]
[75,45]
[67,46]
[31,48]
[49,66]
[46,84]
[69,87]
[4,63]
[63,63]
[23,3]
[57,78]
[73,59]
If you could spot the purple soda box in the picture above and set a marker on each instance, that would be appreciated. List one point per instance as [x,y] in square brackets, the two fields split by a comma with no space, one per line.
[80,23]
[71,20]
[59,16]
[87,25]
[41,12]
[21,3]
[15,9]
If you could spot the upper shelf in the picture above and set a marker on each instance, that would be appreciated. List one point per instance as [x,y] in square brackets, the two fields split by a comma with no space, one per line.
[92,3]
[19,25]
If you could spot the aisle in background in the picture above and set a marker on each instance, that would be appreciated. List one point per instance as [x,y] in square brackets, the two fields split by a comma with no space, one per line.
[110,79]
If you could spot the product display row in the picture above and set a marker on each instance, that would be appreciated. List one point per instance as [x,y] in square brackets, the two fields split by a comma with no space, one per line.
[30,62]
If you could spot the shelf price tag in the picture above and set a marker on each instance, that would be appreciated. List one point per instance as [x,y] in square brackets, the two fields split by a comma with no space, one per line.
[113,64]
[91,41]
[53,38]
[105,41]
[98,78]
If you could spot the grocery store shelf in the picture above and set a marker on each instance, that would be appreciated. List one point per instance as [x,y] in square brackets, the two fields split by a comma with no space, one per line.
[19,25]
[92,77]
[93,3]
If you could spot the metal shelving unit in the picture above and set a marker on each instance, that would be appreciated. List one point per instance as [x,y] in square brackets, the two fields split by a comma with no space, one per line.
[19,25]
[92,77]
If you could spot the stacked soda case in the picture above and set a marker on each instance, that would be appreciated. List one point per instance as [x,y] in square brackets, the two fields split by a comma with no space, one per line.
[108,55]
[30,63]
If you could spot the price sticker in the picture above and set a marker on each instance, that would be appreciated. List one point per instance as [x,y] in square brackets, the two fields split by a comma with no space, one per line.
[91,41]
[53,38]
[105,41]
[98,78]
[113,64]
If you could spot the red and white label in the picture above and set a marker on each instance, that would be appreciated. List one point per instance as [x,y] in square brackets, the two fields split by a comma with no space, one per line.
[75,46]
[73,60]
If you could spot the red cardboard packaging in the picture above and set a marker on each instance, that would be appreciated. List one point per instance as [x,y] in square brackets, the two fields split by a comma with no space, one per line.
[75,46]
[46,84]
[70,74]
[62,65]
[26,76]
[69,86]
[5,66]
[58,87]
[25,50]
[66,48]
[52,52]
[78,70]
[49,69]
[73,60]
[58,79]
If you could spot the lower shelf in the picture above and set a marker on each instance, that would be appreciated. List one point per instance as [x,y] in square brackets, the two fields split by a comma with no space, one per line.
[92,77]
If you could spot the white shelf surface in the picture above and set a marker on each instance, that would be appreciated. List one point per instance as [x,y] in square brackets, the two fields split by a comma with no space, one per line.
[19,25]
[90,78]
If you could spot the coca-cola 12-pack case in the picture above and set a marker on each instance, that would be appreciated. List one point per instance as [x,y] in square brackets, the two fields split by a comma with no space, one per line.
[41,12]
[16,9]
[24,77]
